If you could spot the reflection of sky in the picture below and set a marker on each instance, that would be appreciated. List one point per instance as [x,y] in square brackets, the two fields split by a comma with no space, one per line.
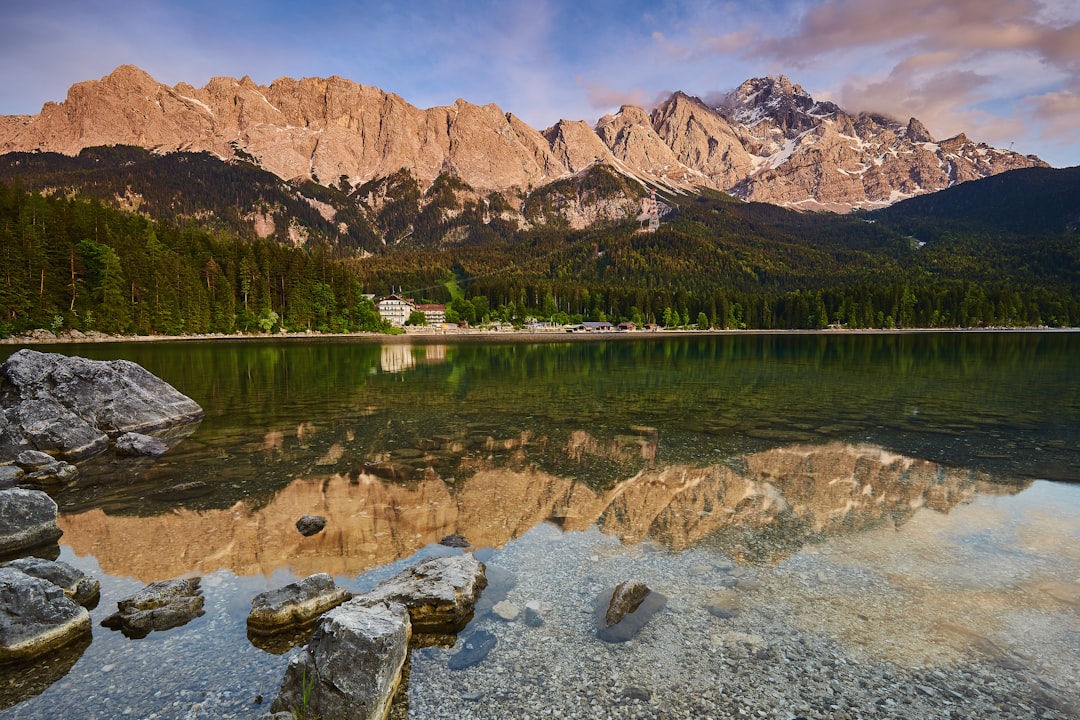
[983,577]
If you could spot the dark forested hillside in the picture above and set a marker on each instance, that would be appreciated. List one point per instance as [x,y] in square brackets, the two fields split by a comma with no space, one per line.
[70,261]
[236,197]
[1031,201]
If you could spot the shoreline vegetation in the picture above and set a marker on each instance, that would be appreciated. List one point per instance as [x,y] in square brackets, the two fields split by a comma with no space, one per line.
[47,337]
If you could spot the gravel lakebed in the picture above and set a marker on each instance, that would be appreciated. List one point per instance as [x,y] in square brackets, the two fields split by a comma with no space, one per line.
[872,625]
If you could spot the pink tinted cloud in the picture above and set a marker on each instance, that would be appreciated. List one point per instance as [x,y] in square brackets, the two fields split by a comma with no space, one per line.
[1058,114]
[943,100]
[926,25]
[604,97]
[705,45]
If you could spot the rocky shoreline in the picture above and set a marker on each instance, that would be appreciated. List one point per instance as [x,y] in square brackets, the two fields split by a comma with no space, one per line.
[420,334]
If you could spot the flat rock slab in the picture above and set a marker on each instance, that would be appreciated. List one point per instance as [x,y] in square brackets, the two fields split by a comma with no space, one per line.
[36,616]
[27,520]
[352,667]
[31,460]
[440,593]
[70,406]
[622,611]
[297,603]
[158,606]
[76,584]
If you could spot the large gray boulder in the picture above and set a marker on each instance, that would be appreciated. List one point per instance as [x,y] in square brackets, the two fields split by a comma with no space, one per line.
[36,616]
[69,406]
[27,520]
[76,584]
[352,667]
[440,593]
[295,604]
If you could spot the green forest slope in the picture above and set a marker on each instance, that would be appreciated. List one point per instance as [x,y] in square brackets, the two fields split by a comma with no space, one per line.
[998,252]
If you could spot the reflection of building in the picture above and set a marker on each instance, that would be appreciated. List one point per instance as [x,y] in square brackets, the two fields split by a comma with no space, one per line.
[395,309]
[435,354]
[434,314]
[396,358]
[401,357]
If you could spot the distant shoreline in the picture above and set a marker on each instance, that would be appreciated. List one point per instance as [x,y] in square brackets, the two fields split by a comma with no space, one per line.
[428,335]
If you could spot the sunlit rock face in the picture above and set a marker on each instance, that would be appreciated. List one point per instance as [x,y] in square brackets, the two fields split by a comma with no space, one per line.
[766,141]
[757,508]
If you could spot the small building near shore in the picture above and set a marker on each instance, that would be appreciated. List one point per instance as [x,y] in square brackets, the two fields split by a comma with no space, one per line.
[434,314]
[395,309]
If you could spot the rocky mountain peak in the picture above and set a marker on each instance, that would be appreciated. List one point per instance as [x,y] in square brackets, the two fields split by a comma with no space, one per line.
[767,140]
[917,132]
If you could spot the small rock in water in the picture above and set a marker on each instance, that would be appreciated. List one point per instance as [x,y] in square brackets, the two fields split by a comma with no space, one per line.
[30,460]
[473,651]
[297,603]
[309,525]
[507,611]
[455,541]
[724,604]
[535,610]
[622,612]
[634,692]
[76,584]
[134,443]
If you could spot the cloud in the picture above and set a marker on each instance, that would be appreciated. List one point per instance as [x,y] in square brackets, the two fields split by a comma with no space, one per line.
[916,25]
[1059,115]
[701,46]
[603,97]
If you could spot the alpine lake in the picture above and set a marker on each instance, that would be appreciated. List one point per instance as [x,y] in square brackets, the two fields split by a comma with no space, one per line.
[844,525]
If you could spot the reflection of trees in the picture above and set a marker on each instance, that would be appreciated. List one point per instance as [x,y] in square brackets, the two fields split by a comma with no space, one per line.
[949,397]
[759,508]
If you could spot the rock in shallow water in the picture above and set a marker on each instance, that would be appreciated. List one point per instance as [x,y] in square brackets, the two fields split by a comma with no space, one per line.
[70,406]
[295,604]
[473,650]
[352,667]
[158,606]
[76,584]
[624,610]
[36,616]
[309,525]
[27,520]
[440,593]
[137,444]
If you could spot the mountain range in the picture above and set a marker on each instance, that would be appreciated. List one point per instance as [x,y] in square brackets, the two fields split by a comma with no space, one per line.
[133,207]
[766,141]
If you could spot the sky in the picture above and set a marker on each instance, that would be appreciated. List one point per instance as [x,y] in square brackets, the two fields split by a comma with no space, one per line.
[1005,72]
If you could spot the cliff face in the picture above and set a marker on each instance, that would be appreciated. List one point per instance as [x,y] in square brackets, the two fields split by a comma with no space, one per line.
[768,141]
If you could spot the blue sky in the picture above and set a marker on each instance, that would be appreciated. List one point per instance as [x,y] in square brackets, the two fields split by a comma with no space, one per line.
[1006,72]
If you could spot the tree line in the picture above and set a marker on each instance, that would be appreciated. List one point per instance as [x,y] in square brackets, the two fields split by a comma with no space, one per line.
[72,263]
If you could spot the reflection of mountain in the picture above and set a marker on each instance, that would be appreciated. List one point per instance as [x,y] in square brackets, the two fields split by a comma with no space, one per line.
[757,508]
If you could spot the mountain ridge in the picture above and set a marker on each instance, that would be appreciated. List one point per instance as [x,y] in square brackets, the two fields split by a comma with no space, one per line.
[768,141]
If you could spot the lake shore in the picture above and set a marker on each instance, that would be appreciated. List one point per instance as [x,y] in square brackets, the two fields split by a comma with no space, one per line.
[427,335]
